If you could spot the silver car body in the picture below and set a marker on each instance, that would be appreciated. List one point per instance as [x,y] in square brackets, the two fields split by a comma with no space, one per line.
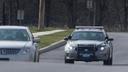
[17,50]
[100,53]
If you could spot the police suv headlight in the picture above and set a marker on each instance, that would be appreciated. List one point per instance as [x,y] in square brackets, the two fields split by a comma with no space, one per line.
[69,48]
[102,48]
[25,50]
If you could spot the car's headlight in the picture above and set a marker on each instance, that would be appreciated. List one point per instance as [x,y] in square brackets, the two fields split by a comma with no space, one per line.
[69,48]
[25,50]
[102,48]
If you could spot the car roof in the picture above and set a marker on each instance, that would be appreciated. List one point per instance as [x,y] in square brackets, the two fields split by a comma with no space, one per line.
[13,27]
[95,30]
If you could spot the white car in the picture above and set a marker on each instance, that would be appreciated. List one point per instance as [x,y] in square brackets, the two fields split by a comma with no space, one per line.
[18,44]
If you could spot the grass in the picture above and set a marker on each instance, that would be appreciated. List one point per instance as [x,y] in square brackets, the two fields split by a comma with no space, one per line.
[49,39]
[35,29]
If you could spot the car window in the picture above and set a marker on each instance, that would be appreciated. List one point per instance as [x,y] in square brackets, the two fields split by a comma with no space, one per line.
[14,35]
[88,35]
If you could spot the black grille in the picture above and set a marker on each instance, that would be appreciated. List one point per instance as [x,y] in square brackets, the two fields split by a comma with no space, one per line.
[9,51]
[83,50]
[86,48]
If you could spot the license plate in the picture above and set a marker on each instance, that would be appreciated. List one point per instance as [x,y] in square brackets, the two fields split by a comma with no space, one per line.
[87,55]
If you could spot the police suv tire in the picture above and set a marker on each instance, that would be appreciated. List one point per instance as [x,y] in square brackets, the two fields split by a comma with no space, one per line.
[108,62]
[69,61]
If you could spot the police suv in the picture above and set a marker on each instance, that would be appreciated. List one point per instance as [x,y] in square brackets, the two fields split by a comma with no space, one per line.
[89,43]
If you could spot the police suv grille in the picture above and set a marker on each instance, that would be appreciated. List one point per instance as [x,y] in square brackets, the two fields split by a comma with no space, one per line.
[9,51]
[86,48]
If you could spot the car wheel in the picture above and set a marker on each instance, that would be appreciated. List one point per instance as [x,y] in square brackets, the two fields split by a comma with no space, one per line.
[69,61]
[36,57]
[108,61]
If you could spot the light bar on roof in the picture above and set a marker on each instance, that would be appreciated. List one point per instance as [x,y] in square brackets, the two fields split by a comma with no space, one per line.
[89,27]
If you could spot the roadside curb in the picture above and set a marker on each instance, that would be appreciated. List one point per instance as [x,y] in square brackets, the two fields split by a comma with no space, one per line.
[37,34]
[52,46]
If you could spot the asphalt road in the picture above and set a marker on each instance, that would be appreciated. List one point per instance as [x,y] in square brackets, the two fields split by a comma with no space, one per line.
[53,61]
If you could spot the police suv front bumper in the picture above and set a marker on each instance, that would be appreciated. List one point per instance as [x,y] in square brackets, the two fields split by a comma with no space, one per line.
[87,56]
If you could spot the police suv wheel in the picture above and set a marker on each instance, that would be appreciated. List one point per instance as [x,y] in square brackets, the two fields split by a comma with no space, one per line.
[108,62]
[69,61]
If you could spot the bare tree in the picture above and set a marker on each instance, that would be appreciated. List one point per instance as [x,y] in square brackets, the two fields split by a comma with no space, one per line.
[126,11]
[41,14]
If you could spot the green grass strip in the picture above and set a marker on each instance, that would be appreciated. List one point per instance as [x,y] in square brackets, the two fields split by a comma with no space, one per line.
[49,39]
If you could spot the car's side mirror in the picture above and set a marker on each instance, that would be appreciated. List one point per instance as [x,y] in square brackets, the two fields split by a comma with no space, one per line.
[106,38]
[110,39]
[67,38]
[36,40]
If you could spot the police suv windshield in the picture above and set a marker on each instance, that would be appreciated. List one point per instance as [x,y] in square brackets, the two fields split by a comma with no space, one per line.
[88,35]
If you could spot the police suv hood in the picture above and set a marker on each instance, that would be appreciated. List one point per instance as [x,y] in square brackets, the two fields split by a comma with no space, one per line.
[15,44]
[84,42]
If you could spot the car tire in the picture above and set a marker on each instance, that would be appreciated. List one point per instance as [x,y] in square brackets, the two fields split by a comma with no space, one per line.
[108,61]
[36,57]
[69,61]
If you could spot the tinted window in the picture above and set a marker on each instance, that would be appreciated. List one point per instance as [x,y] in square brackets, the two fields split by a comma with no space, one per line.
[88,35]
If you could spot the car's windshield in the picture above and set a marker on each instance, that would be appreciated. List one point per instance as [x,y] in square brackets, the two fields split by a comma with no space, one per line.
[88,35]
[14,35]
